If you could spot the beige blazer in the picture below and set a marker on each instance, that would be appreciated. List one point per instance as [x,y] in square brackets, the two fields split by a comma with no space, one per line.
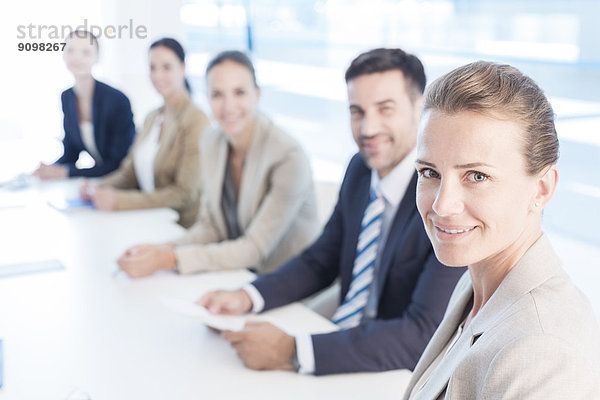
[277,210]
[177,176]
[535,338]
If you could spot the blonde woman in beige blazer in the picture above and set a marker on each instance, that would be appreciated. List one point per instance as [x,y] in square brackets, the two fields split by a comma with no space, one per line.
[162,169]
[516,327]
[258,202]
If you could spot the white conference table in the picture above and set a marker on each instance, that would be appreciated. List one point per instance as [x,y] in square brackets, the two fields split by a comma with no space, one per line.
[113,338]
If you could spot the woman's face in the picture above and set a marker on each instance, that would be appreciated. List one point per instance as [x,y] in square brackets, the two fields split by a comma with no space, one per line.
[167,72]
[474,194]
[233,98]
[80,55]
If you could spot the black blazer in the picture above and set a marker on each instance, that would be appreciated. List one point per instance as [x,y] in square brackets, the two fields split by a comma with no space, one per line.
[414,288]
[113,130]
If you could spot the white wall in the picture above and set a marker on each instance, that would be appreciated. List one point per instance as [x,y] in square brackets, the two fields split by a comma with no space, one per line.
[31,82]
[128,59]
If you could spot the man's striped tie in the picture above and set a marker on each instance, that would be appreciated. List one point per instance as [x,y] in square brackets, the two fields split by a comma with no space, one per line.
[350,312]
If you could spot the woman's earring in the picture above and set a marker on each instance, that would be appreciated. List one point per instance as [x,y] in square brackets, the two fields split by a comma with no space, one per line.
[537,203]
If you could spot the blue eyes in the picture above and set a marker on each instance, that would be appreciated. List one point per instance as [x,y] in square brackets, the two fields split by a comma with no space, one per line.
[472,176]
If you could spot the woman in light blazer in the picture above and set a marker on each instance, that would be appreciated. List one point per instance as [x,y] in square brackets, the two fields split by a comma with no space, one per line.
[516,327]
[258,202]
[162,168]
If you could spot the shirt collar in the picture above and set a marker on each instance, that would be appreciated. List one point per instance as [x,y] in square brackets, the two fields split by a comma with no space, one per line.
[393,186]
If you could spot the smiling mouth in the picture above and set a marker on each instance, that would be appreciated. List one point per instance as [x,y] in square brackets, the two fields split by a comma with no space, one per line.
[373,145]
[455,231]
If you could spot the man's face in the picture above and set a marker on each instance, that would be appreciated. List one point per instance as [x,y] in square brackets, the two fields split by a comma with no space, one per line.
[384,118]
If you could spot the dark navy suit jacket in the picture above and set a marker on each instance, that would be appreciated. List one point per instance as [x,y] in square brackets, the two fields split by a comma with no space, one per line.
[414,288]
[113,130]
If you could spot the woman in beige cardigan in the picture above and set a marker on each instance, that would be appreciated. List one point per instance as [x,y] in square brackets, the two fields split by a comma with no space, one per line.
[162,168]
[258,207]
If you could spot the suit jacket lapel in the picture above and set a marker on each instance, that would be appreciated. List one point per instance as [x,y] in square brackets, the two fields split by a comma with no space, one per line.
[406,209]
[169,132]
[455,313]
[74,120]
[248,186]
[536,266]
[96,115]
[217,159]
[357,206]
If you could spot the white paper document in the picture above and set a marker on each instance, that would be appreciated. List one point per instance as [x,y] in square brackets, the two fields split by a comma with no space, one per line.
[190,309]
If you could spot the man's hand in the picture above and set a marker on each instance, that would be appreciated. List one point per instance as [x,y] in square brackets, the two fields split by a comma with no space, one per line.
[146,259]
[233,302]
[263,346]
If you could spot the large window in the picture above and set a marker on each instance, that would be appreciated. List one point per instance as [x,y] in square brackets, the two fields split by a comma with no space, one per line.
[301,49]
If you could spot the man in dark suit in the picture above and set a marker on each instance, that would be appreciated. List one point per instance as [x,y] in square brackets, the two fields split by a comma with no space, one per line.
[393,290]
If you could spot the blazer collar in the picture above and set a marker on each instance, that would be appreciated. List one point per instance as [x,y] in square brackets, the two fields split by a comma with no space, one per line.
[538,264]
[171,125]
[220,157]
[180,106]
[71,105]
[359,201]
[405,210]
[356,203]
[455,314]
[96,103]
[395,184]
[251,175]
[71,110]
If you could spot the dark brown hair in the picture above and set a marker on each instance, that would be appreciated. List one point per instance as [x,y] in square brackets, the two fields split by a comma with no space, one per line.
[235,56]
[383,60]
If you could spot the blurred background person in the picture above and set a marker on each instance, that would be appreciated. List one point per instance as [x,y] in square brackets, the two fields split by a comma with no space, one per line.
[259,207]
[97,117]
[393,291]
[162,168]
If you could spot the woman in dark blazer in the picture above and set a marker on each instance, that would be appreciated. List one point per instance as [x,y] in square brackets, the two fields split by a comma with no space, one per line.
[97,117]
